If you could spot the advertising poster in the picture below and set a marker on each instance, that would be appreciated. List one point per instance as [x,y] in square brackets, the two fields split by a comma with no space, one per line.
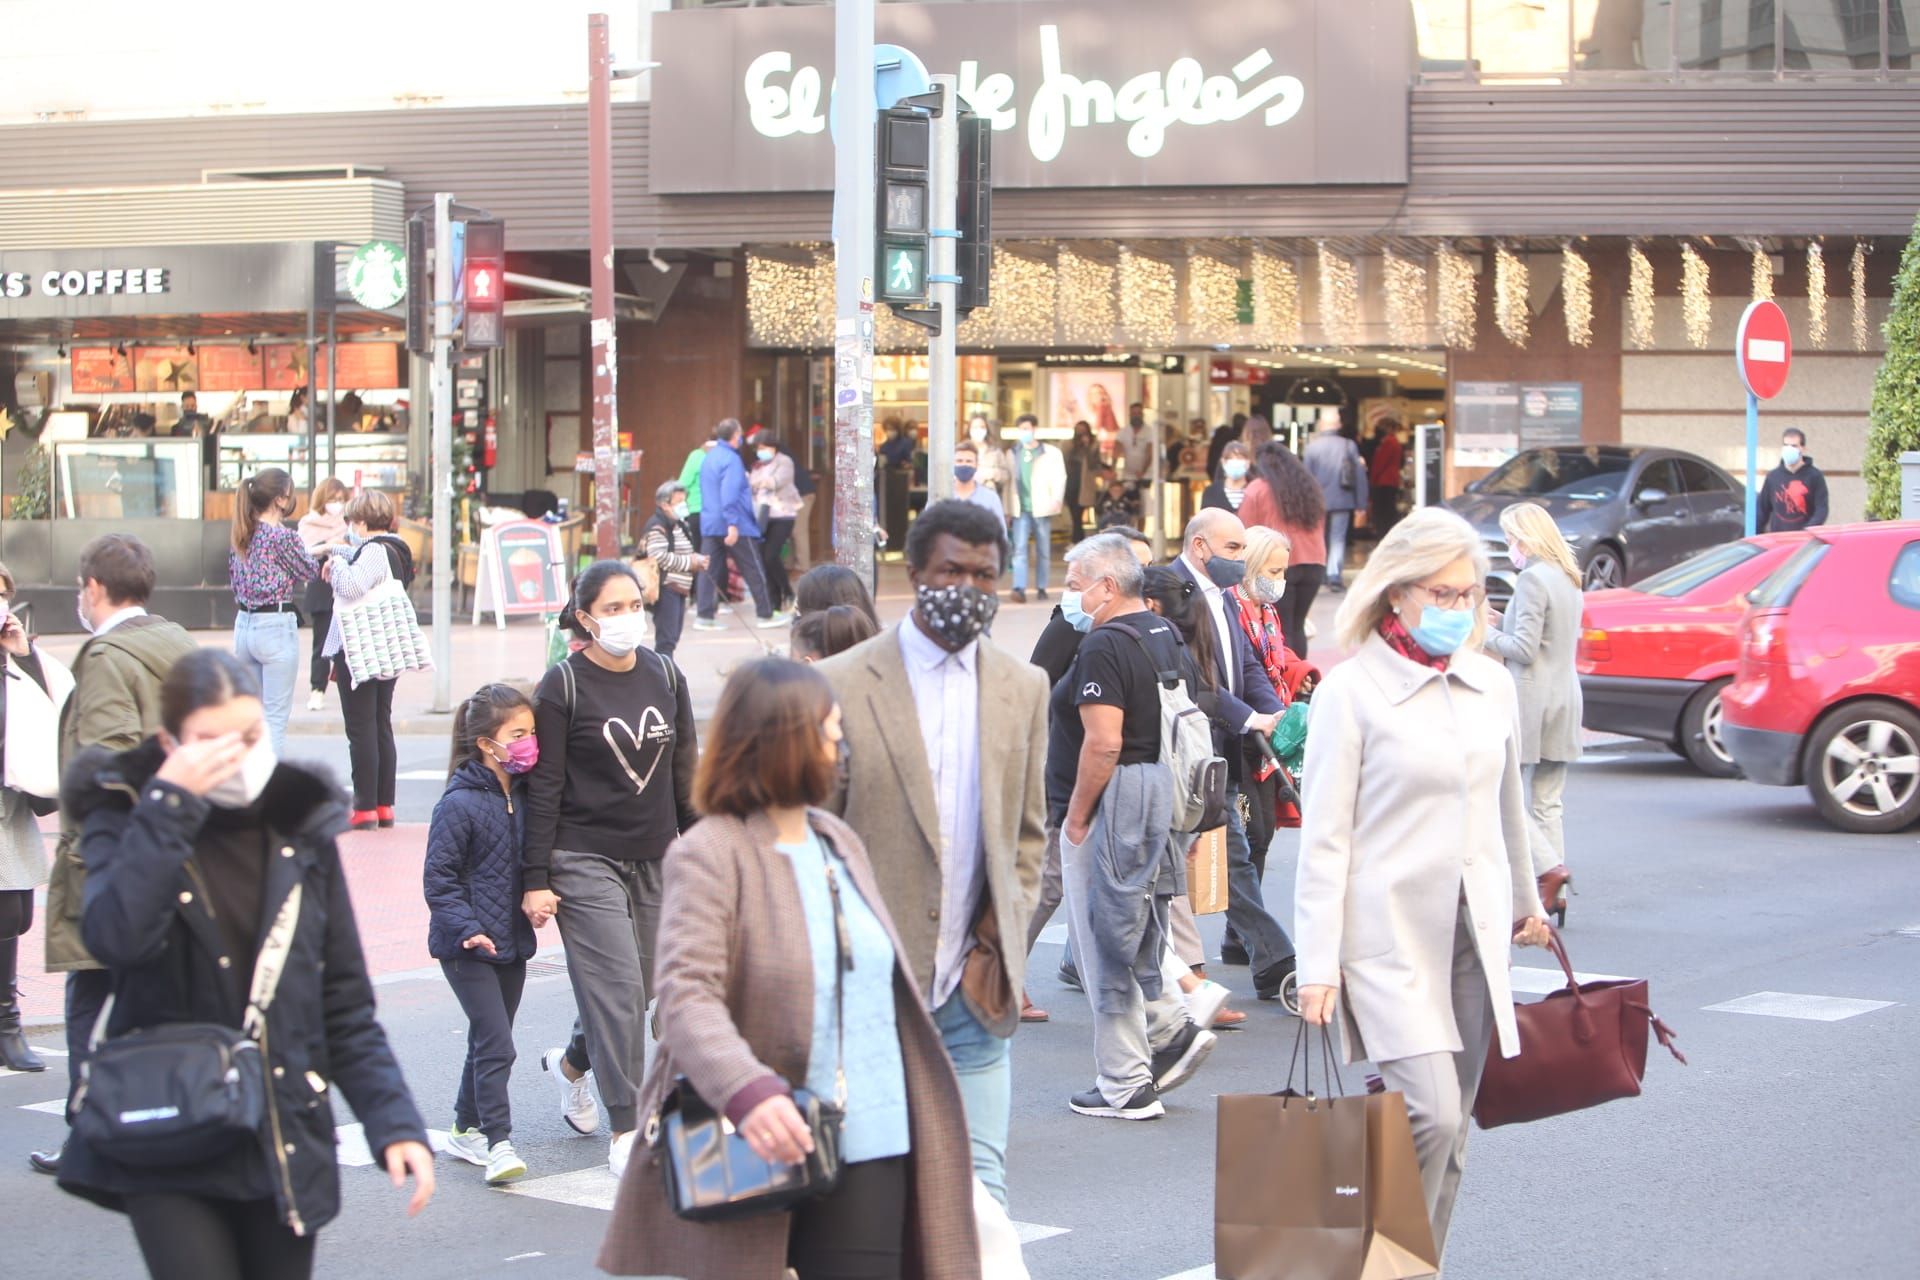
[169,369]
[1096,396]
[1486,423]
[1549,414]
[100,370]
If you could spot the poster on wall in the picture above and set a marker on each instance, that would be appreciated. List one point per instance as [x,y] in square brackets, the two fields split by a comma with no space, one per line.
[226,368]
[167,369]
[1549,414]
[1096,396]
[285,366]
[1486,417]
[100,370]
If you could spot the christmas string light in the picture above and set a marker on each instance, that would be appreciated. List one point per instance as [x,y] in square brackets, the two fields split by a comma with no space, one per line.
[790,304]
[1510,294]
[1276,301]
[1149,300]
[1459,298]
[1696,307]
[1859,295]
[1084,298]
[1816,294]
[1213,300]
[1339,298]
[1762,275]
[1024,300]
[1406,298]
[1576,296]
[1639,297]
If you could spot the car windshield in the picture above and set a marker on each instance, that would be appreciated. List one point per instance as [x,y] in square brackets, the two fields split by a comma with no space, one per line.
[1784,583]
[1697,572]
[1580,475]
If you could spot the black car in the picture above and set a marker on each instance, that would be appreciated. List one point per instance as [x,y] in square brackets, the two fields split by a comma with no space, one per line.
[1627,510]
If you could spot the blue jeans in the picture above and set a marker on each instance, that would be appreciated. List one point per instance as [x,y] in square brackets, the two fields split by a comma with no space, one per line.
[1248,919]
[1040,529]
[1338,522]
[268,644]
[984,1064]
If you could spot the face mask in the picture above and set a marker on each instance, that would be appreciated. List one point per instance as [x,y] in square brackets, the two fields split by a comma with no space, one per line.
[244,785]
[1234,467]
[842,766]
[1268,590]
[964,473]
[1518,557]
[956,615]
[335,509]
[621,634]
[1074,612]
[681,511]
[1226,573]
[522,755]
[1026,438]
[979,435]
[765,455]
[1789,455]
[1442,631]
[354,539]
[80,611]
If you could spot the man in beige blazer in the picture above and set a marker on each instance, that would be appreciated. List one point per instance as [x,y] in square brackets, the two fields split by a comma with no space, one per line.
[946,743]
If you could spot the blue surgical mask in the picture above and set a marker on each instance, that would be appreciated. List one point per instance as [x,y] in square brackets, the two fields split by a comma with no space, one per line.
[964,473]
[1442,631]
[1234,467]
[1070,609]
[1789,455]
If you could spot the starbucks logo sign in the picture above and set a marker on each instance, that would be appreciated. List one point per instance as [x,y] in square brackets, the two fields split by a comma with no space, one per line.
[377,275]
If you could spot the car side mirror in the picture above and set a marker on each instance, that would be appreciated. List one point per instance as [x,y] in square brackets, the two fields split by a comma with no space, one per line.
[1650,496]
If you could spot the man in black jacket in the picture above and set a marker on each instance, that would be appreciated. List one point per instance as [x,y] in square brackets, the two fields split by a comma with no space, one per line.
[1795,494]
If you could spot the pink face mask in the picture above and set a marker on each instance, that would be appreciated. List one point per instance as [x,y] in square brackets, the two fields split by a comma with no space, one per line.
[522,755]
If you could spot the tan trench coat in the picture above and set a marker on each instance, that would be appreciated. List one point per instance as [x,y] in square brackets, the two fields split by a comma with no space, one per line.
[736,1001]
[1412,796]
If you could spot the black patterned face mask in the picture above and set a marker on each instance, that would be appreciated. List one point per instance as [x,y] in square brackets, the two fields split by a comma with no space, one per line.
[956,615]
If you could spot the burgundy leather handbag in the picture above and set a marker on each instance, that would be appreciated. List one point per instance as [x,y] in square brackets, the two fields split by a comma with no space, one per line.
[1581,1046]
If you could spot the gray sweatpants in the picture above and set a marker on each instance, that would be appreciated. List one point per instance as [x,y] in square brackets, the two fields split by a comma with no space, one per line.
[609,914]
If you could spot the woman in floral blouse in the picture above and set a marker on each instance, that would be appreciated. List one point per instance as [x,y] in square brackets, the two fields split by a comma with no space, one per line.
[268,565]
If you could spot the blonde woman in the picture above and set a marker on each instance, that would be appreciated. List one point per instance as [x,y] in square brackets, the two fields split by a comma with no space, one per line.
[1414,868]
[1539,638]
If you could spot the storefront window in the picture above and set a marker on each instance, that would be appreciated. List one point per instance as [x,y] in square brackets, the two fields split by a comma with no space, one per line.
[1831,35]
[1521,37]
[1622,35]
[1441,27]
[1725,35]
[1903,18]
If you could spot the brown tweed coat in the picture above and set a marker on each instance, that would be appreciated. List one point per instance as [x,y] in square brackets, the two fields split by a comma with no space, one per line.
[736,1001]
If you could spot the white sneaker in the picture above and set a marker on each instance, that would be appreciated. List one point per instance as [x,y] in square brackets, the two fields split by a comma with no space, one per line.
[468,1144]
[577,1106]
[1205,1002]
[316,701]
[504,1164]
[619,1153]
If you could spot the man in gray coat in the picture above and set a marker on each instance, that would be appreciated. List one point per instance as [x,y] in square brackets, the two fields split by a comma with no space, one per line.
[1335,463]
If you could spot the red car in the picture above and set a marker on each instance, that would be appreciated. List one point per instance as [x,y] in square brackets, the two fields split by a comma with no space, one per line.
[1828,691]
[1655,657]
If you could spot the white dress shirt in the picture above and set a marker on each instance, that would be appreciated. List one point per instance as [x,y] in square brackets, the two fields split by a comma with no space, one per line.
[114,620]
[1223,639]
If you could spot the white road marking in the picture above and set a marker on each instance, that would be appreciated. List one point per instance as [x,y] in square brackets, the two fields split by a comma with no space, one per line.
[1198,1273]
[1033,1232]
[1780,1004]
[1539,982]
[54,1107]
[1055,934]
[422,775]
[45,1053]
[522,1257]
[352,1149]
[589,1188]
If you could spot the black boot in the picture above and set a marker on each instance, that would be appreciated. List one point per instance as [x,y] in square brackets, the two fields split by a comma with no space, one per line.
[15,1053]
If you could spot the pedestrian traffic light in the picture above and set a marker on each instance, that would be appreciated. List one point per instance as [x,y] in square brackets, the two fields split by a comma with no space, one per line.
[419,288]
[974,259]
[484,285]
[904,149]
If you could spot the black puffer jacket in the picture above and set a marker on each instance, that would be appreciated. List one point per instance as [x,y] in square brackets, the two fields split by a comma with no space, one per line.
[472,874]
[148,921]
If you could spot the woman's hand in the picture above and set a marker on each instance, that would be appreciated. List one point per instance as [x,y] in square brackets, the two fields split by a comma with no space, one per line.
[13,637]
[480,942]
[201,766]
[414,1158]
[539,905]
[1317,1004]
[776,1131]
[1531,932]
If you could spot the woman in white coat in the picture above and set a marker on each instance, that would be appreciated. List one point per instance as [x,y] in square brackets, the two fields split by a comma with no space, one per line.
[1539,637]
[1414,868]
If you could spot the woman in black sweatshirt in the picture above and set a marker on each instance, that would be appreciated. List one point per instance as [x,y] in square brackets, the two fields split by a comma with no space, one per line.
[612,789]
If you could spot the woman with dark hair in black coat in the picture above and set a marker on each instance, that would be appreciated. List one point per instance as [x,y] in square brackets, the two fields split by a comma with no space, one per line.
[206,858]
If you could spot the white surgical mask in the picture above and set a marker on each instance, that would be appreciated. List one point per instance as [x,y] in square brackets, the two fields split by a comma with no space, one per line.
[979,435]
[80,611]
[622,633]
[336,509]
[243,786]
[681,511]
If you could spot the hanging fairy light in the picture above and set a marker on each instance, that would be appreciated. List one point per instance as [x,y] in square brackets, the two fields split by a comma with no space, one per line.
[1816,294]
[1510,294]
[1762,274]
[789,303]
[1276,301]
[1024,300]
[891,333]
[1084,298]
[1405,282]
[1696,305]
[1859,295]
[1639,297]
[1458,297]
[1339,298]
[1213,300]
[1149,300]
[1576,296]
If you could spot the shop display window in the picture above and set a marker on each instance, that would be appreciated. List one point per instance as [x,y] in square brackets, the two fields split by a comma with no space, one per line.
[151,479]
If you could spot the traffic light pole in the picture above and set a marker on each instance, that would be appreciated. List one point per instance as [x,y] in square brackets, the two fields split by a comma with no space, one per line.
[943,215]
[441,466]
[853,256]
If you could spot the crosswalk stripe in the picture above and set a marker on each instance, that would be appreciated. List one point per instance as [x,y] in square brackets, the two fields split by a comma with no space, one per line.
[1198,1273]
[51,1107]
[1539,982]
[352,1151]
[589,1188]
[45,1053]
[1781,1004]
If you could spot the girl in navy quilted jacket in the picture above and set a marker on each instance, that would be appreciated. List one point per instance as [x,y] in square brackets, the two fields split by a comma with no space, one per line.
[477,931]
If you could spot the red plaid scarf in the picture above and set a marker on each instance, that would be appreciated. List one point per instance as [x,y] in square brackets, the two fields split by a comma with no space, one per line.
[1395,633]
[1261,622]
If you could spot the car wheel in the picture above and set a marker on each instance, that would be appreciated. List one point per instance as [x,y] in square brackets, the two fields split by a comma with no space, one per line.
[1863,767]
[1605,569]
[1700,739]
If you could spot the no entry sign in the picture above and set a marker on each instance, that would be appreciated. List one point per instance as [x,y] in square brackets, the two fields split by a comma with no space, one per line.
[1764,350]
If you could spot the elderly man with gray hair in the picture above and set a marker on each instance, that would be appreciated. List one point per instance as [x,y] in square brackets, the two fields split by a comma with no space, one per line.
[1112,796]
[668,542]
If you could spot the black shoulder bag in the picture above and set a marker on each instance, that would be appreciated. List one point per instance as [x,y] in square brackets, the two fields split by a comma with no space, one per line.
[711,1172]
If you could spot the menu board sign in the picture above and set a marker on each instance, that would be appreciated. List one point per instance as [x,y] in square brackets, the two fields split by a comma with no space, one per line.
[229,369]
[363,366]
[99,370]
[286,366]
[170,369]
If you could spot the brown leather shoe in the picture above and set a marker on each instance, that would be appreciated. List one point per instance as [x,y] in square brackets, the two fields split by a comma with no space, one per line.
[1029,1012]
[1228,1020]
[1553,892]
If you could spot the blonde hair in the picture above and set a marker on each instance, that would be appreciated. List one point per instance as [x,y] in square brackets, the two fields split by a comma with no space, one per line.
[1420,546]
[1529,522]
[1262,543]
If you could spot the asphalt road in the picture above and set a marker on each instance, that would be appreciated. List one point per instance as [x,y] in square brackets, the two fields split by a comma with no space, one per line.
[1785,1151]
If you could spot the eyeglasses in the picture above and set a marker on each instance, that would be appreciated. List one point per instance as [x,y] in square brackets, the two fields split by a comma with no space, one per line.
[1452,597]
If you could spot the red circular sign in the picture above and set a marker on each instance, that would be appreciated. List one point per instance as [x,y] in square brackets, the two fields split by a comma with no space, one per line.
[1764,349]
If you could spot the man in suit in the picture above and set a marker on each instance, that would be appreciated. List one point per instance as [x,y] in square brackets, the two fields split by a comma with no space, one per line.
[1212,558]
[946,737]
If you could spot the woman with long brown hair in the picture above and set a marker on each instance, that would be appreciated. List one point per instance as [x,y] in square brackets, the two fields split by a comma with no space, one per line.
[1284,496]
[268,563]
[779,971]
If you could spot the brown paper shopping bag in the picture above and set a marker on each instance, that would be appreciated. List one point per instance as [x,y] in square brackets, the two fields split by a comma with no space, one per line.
[1400,1233]
[1290,1178]
[1207,872]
